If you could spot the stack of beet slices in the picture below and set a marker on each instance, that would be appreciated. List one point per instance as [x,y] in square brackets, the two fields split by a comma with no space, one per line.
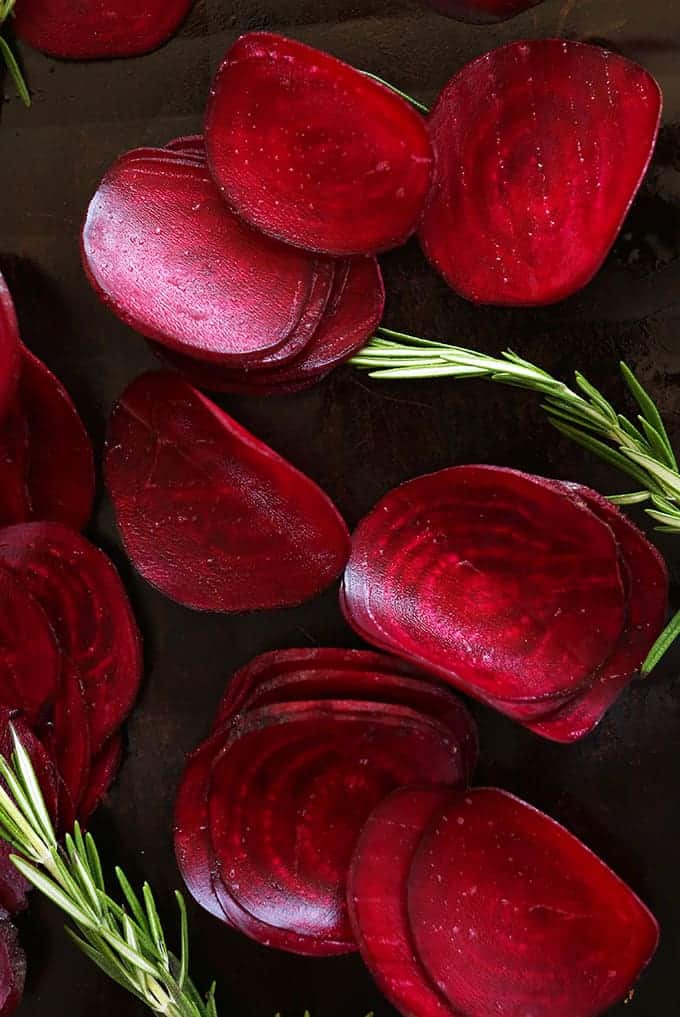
[537,597]
[305,745]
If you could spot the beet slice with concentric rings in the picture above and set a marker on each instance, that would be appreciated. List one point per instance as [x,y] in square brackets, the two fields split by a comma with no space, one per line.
[536,923]
[541,147]
[209,515]
[290,792]
[12,969]
[93,30]
[10,345]
[484,575]
[163,250]
[312,151]
[376,897]
[482,12]
[88,609]
[30,662]
[103,770]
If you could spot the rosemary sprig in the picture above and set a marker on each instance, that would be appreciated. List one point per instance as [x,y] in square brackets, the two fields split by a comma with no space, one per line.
[639,448]
[6,9]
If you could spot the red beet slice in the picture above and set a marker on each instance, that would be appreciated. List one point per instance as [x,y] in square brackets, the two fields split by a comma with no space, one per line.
[103,771]
[86,604]
[290,792]
[311,151]
[482,12]
[484,575]
[94,29]
[376,896]
[29,658]
[162,249]
[541,147]
[9,348]
[209,515]
[192,144]
[67,735]
[12,969]
[535,922]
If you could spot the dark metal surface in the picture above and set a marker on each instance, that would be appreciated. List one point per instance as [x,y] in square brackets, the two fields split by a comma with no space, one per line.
[618,790]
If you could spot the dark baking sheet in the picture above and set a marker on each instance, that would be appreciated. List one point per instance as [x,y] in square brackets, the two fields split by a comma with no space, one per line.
[618,789]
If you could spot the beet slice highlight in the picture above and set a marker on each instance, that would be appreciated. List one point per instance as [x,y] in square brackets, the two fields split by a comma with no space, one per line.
[88,609]
[165,253]
[103,771]
[9,348]
[312,151]
[526,904]
[541,147]
[482,12]
[209,515]
[93,30]
[376,896]
[290,792]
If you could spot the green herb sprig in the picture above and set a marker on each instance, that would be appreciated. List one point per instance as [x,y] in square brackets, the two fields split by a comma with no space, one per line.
[6,10]
[639,448]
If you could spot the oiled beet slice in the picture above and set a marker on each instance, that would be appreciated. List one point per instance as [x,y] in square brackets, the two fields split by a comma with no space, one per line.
[482,12]
[535,922]
[12,969]
[541,147]
[191,144]
[484,575]
[209,515]
[94,29]
[9,348]
[311,151]
[163,250]
[291,790]
[86,604]
[103,770]
[647,578]
[376,897]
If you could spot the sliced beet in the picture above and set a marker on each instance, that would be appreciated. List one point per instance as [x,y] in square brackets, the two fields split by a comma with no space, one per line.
[482,12]
[535,922]
[67,735]
[12,969]
[9,348]
[92,29]
[290,792]
[30,661]
[484,575]
[103,770]
[209,515]
[376,897]
[541,147]
[86,604]
[163,250]
[312,151]
[193,144]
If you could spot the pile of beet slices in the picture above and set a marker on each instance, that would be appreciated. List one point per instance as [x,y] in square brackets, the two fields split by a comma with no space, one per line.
[70,659]
[329,811]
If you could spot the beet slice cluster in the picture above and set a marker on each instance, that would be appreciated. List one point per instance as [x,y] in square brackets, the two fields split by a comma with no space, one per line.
[306,744]
[472,903]
[536,597]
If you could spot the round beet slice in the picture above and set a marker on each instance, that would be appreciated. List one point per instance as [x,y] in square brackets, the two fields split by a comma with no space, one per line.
[9,348]
[209,515]
[103,770]
[88,609]
[30,661]
[484,575]
[163,250]
[12,969]
[98,29]
[482,12]
[535,922]
[376,897]
[541,147]
[290,792]
[311,151]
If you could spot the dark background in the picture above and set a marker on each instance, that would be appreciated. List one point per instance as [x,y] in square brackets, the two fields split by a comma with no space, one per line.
[357,438]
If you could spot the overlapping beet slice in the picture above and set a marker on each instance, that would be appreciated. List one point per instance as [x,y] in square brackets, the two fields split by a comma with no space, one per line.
[535,922]
[482,12]
[164,251]
[88,609]
[12,969]
[93,29]
[541,147]
[210,515]
[30,662]
[9,348]
[311,151]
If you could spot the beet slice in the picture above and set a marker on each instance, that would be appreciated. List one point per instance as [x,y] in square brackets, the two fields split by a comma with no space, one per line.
[484,575]
[536,922]
[312,151]
[92,29]
[482,12]
[103,771]
[209,515]
[289,794]
[30,661]
[541,147]
[162,249]
[12,969]
[67,735]
[376,897]
[86,604]
[9,348]
[191,144]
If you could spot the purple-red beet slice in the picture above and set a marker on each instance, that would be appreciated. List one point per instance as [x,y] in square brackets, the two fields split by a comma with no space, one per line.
[103,770]
[482,12]
[164,251]
[290,792]
[209,515]
[484,575]
[67,735]
[96,29]
[30,661]
[535,922]
[9,348]
[86,604]
[541,147]
[376,897]
[311,151]
[12,969]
